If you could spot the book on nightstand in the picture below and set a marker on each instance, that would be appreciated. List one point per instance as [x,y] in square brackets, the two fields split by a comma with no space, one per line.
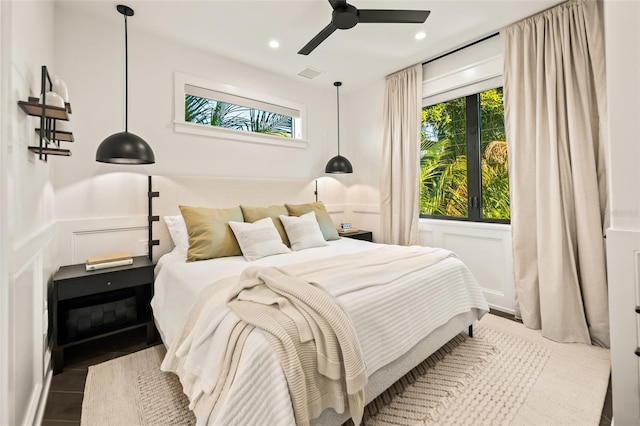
[108,261]
[348,231]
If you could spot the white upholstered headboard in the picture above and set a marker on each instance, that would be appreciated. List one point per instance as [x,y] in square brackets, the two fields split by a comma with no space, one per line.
[217,192]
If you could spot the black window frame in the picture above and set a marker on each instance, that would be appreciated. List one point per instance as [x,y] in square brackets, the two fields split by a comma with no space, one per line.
[474,168]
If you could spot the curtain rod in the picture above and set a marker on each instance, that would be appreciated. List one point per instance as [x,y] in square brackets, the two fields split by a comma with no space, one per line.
[462,47]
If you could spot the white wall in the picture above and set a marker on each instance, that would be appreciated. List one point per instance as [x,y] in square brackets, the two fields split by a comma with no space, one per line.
[622,38]
[27,214]
[490,260]
[5,319]
[93,196]
[363,147]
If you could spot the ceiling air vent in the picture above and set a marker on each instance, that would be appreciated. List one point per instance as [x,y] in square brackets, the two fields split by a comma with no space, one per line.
[309,73]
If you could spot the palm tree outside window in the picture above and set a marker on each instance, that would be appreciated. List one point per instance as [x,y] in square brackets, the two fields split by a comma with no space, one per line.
[464,165]
[211,112]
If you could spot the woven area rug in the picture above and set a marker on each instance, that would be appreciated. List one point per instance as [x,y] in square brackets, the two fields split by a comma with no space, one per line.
[506,374]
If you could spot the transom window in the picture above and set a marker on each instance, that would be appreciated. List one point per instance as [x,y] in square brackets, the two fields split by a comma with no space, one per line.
[219,110]
[464,166]
[213,108]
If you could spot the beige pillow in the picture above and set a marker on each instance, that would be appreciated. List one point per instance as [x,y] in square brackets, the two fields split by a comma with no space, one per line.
[209,233]
[252,214]
[324,220]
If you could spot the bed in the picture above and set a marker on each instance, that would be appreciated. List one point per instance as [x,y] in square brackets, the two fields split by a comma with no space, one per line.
[398,324]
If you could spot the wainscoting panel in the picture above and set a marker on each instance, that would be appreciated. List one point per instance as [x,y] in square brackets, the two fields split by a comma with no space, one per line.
[427,238]
[26,390]
[95,243]
[32,269]
[83,238]
[365,216]
[488,270]
[623,276]
[484,248]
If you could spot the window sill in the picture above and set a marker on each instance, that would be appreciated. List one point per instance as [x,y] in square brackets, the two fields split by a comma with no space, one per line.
[463,223]
[220,133]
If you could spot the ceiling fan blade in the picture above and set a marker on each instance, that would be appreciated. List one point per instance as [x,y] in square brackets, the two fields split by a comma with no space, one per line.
[392,16]
[338,3]
[319,38]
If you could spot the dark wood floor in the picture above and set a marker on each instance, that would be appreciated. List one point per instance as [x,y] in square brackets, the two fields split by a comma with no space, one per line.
[64,404]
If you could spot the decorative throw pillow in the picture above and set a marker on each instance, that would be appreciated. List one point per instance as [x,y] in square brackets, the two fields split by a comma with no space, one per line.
[258,239]
[304,231]
[322,216]
[178,231]
[209,233]
[252,214]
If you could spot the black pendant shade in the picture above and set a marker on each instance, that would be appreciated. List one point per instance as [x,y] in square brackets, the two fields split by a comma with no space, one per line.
[338,164]
[125,147]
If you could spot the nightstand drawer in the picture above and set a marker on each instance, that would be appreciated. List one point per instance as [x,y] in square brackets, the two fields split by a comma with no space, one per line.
[101,282]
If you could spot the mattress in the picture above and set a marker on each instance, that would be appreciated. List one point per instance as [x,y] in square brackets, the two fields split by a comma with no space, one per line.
[389,322]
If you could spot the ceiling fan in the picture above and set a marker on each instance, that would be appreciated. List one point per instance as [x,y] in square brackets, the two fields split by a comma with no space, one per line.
[346,16]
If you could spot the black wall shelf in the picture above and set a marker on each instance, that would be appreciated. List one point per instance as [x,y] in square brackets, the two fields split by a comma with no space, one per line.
[50,151]
[59,135]
[49,136]
[34,109]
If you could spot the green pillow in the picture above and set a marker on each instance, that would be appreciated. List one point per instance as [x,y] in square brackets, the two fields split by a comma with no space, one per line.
[253,214]
[327,227]
[210,235]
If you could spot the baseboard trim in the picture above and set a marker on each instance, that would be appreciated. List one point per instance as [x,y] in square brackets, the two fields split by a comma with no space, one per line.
[502,309]
[42,404]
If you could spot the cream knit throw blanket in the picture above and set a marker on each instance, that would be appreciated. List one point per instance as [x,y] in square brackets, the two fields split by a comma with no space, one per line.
[204,390]
[311,335]
[306,328]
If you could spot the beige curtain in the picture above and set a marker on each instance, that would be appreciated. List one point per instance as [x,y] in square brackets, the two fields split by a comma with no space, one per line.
[400,160]
[556,123]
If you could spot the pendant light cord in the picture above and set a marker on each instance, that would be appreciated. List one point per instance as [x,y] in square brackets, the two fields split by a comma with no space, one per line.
[338,101]
[126,77]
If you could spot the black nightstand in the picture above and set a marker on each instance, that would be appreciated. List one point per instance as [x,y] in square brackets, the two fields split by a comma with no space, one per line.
[358,235]
[86,305]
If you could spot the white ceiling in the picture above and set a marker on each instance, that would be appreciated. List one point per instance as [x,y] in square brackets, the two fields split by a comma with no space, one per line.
[241,30]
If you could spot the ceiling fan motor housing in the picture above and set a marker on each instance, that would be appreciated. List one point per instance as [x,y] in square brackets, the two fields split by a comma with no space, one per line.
[344,18]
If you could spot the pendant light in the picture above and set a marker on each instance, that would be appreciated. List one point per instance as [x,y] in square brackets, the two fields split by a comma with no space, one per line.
[338,164]
[125,147]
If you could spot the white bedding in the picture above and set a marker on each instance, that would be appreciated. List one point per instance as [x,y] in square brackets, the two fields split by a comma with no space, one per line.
[178,283]
[389,320]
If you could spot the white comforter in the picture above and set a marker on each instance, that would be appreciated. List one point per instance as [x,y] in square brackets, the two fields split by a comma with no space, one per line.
[389,320]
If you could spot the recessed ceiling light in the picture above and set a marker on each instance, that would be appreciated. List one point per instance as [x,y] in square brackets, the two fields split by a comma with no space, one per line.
[274,44]
[421,35]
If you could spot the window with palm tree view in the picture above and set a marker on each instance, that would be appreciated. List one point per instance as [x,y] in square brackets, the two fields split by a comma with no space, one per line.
[202,110]
[463,159]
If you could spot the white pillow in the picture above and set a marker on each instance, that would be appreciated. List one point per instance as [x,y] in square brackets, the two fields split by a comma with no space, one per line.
[258,239]
[178,231]
[303,231]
